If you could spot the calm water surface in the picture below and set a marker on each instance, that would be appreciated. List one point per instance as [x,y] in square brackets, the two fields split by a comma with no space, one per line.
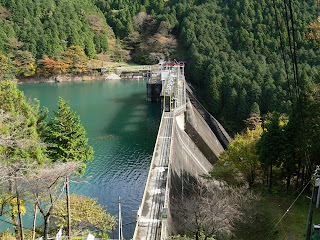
[122,128]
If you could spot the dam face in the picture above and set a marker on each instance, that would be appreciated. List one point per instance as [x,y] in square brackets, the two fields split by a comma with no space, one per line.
[186,148]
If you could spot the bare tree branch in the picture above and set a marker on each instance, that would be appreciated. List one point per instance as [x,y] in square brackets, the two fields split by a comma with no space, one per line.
[210,209]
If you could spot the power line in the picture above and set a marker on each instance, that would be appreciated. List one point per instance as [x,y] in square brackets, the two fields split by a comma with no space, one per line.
[288,209]
[289,41]
[297,88]
[292,204]
[283,53]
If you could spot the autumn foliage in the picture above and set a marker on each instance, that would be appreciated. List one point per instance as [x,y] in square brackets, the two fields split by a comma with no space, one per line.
[314,32]
[54,67]
[74,60]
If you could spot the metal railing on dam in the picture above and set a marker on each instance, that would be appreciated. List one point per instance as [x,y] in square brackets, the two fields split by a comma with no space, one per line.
[152,209]
[185,147]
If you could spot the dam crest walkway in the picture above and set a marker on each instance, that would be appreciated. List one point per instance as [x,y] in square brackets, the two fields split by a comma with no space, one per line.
[152,211]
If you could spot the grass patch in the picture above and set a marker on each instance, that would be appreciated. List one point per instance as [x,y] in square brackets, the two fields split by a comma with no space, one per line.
[258,222]
[293,225]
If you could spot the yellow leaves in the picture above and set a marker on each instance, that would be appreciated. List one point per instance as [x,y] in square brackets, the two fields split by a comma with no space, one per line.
[283,121]
[76,58]
[242,153]
[85,213]
[163,39]
[67,60]
[7,235]
[4,64]
[314,32]
[11,202]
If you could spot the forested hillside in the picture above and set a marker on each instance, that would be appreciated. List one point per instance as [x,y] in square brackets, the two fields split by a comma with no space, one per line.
[235,50]
[235,55]
[255,65]
[33,30]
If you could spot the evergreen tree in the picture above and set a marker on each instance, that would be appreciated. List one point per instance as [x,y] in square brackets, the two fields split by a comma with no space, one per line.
[66,136]
[255,109]
[67,142]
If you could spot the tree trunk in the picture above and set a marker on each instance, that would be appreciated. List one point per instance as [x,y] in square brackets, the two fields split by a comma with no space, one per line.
[14,217]
[264,176]
[68,206]
[298,174]
[288,181]
[34,222]
[46,226]
[252,178]
[197,234]
[270,179]
[268,174]
[302,177]
[19,212]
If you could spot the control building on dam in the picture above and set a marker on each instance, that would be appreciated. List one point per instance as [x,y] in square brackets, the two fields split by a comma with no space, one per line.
[189,142]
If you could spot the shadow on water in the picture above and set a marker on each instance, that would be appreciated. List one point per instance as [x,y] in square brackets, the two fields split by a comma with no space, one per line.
[121,167]
[122,128]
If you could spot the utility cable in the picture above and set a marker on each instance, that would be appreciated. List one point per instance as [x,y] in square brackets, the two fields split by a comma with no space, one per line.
[295,53]
[304,188]
[17,225]
[292,204]
[289,40]
[297,86]
[283,53]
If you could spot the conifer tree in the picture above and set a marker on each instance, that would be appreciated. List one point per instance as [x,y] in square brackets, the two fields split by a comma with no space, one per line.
[67,140]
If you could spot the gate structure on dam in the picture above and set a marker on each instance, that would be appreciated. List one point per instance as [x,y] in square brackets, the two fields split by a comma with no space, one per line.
[175,151]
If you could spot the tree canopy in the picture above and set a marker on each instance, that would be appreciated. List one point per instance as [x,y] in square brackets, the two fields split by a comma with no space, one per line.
[66,136]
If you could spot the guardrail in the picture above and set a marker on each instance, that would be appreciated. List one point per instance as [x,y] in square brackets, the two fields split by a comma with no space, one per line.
[136,68]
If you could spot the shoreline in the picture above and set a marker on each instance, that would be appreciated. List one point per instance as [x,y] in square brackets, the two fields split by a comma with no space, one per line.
[69,78]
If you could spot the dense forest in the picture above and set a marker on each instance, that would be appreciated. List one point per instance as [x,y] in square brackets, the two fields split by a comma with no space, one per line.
[235,50]
[31,31]
[47,28]
[236,56]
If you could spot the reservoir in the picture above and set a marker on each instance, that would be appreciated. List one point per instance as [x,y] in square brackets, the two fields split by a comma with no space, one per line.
[122,128]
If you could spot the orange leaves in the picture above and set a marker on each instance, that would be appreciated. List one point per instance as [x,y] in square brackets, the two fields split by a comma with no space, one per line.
[314,32]
[74,60]
[55,67]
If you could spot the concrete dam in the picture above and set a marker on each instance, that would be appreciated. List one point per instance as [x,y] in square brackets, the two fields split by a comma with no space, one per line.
[189,142]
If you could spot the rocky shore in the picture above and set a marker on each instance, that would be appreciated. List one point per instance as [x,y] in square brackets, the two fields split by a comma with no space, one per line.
[70,78]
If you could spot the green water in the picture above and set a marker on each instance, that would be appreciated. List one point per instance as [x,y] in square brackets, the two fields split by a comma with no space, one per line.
[122,128]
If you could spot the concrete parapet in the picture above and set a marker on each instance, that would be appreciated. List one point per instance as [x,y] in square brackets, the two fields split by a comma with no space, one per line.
[199,131]
[213,123]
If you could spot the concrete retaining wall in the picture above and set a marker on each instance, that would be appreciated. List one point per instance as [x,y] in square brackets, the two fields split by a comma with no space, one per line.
[202,135]
[214,125]
[187,162]
[193,151]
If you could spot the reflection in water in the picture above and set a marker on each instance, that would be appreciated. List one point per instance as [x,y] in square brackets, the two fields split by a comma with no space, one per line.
[122,129]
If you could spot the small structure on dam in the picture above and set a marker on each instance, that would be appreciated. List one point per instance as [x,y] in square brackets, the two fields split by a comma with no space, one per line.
[186,146]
